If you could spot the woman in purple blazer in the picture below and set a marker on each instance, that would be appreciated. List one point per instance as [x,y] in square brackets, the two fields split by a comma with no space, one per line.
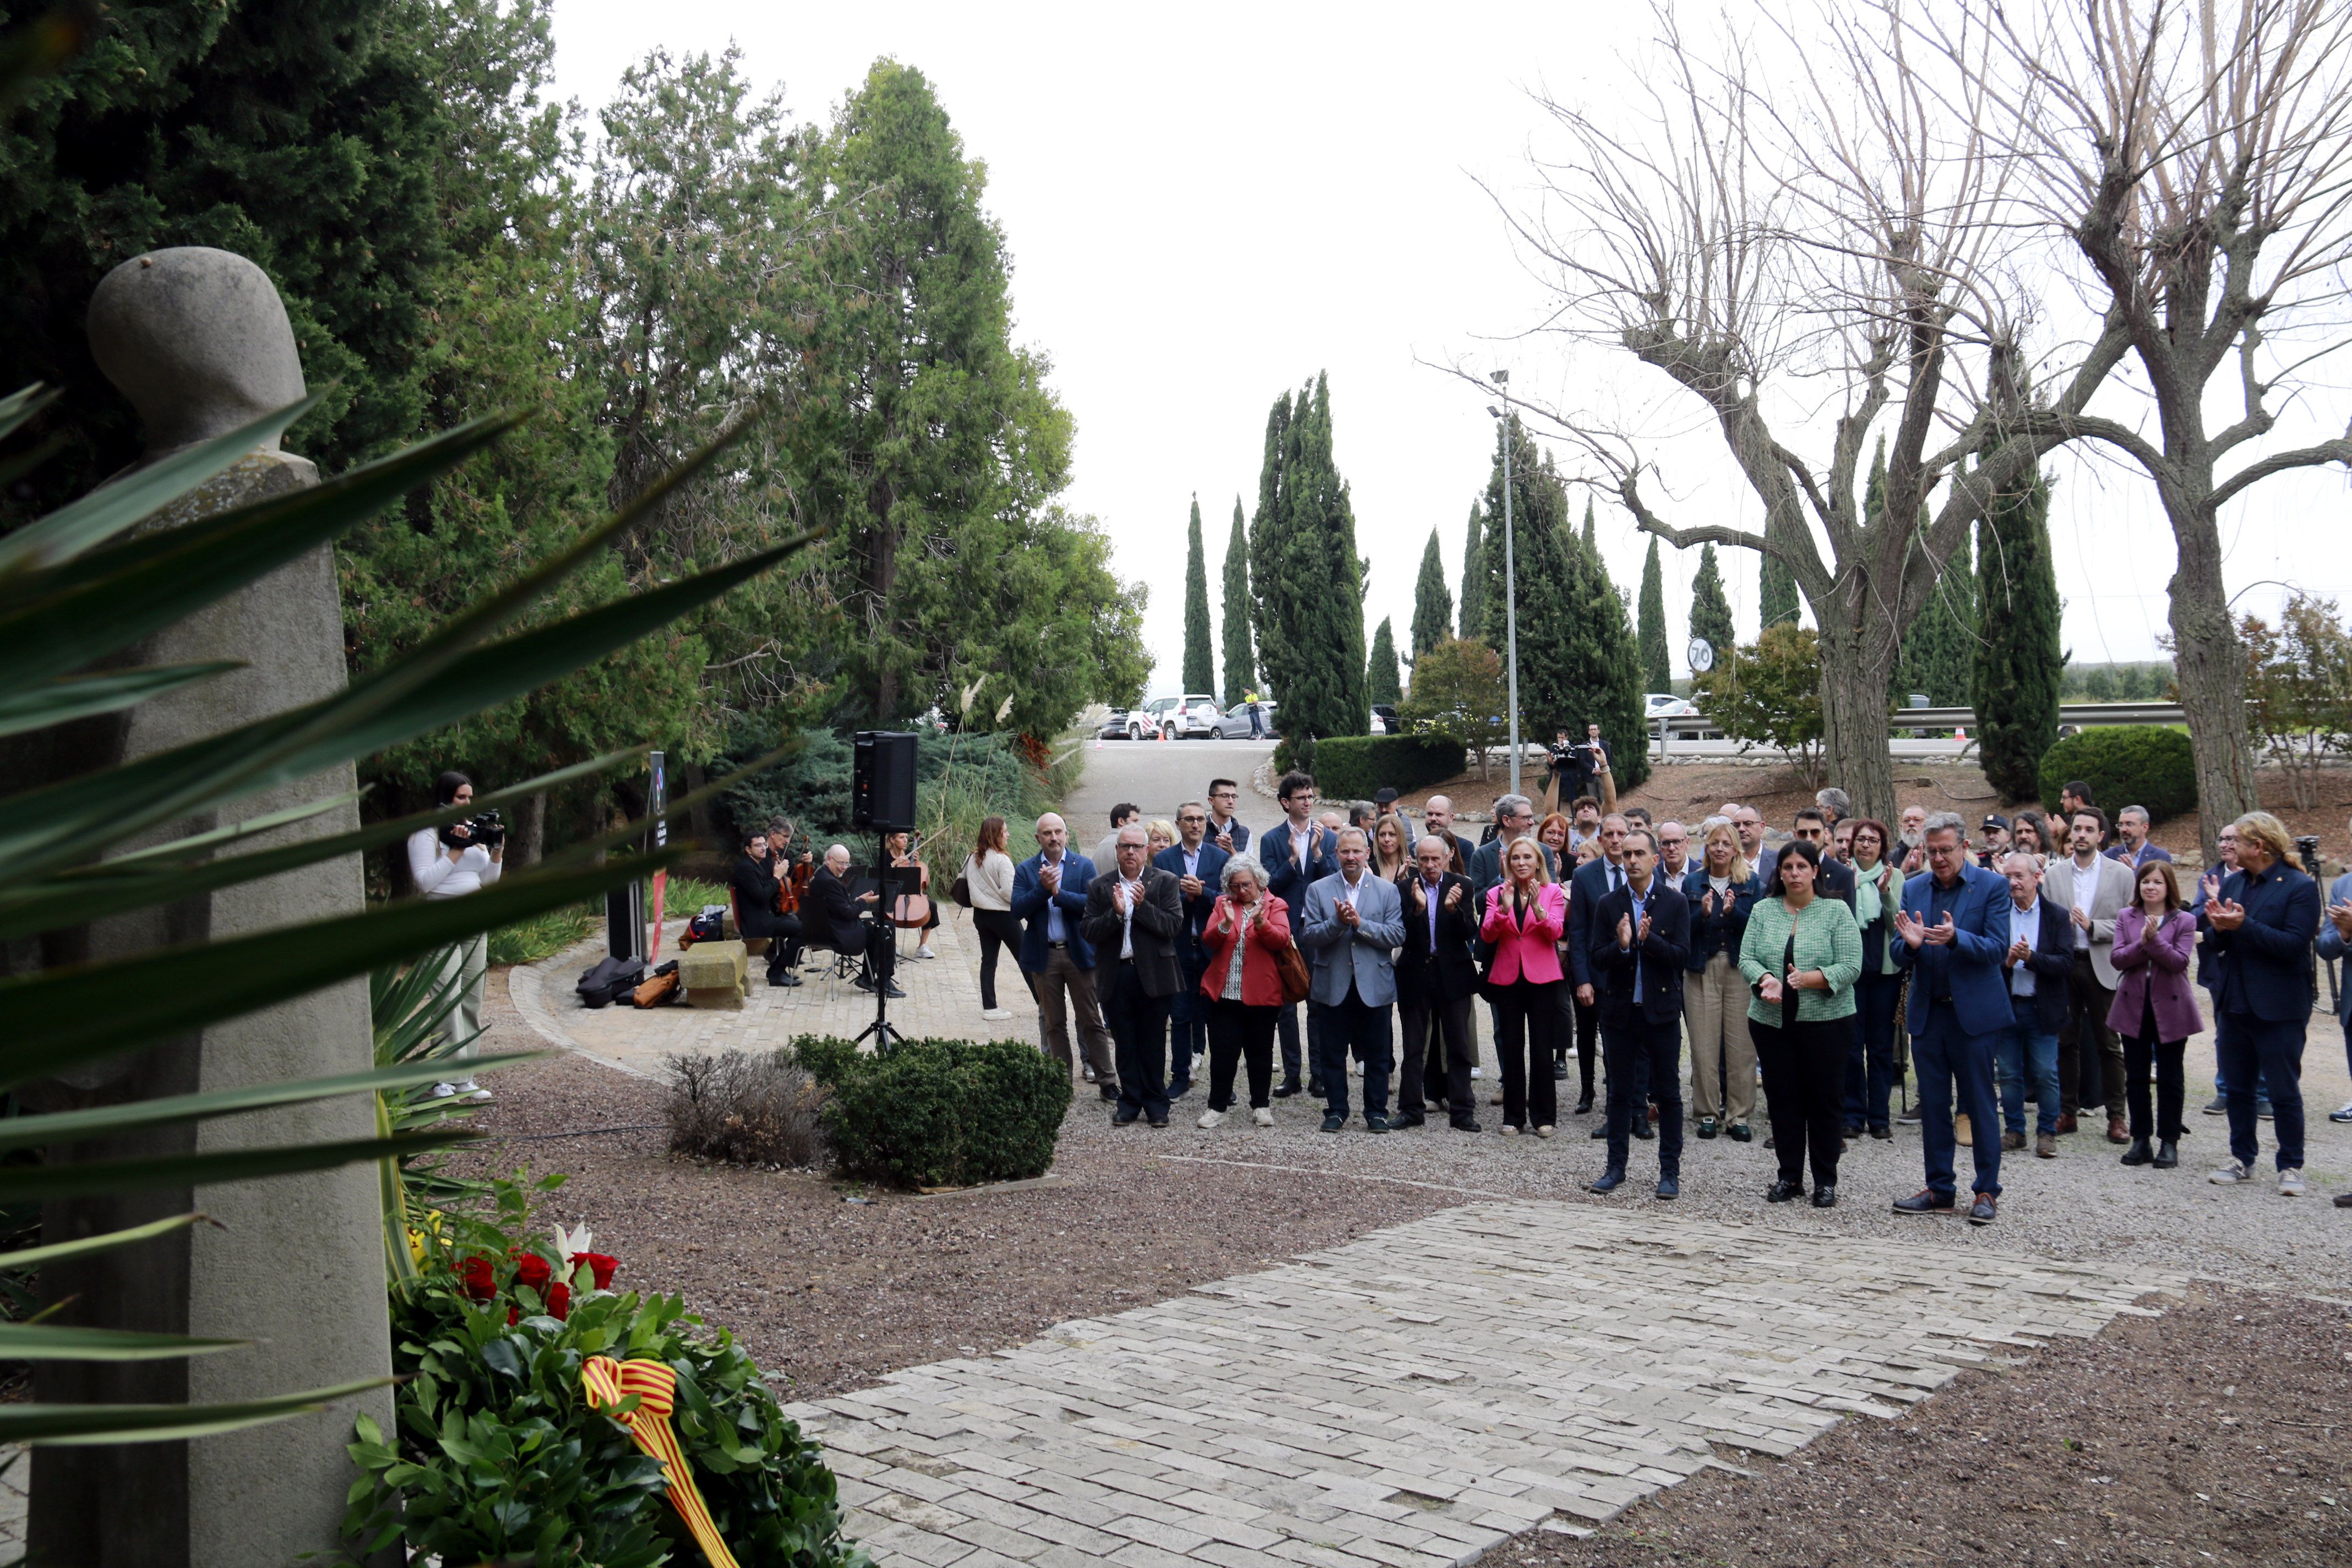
[2155,1009]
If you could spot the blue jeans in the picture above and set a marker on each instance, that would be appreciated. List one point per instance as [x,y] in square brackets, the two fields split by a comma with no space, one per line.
[2026,1049]
[1947,1058]
[1336,1028]
[2253,1049]
[1188,1018]
[1870,1071]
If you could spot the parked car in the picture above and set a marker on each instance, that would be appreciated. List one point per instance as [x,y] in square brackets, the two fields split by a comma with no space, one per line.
[1114,728]
[1666,705]
[1385,720]
[1194,715]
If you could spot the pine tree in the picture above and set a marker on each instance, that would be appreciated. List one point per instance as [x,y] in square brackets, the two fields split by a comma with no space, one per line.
[1710,615]
[1433,605]
[1310,613]
[1380,680]
[2019,660]
[1200,662]
[1241,662]
[1577,660]
[1472,604]
[1776,594]
[1657,666]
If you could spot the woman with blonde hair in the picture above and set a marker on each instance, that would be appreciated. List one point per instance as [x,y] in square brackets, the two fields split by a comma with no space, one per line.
[1722,890]
[2264,919]
[1522,922]
[1391,853]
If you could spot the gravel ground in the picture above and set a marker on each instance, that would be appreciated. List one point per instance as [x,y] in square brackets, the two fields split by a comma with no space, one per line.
[2077,1455]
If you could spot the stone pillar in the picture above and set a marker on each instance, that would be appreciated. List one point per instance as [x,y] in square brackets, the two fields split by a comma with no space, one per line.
[198,341]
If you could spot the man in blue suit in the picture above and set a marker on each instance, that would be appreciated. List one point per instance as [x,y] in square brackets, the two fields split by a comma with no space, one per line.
[2263,922]
[1641,946]
[2335,946]
[1295,855]
[1197,865]
[1954,924]
[1354,921]
[1049,899]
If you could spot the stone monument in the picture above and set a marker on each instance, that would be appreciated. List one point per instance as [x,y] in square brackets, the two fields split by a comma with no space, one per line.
[197,340]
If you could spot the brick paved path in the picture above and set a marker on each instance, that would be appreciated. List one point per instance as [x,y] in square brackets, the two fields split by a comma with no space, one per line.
[1417,1395]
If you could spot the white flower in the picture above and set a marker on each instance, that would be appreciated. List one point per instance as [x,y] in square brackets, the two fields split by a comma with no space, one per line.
[571,1244]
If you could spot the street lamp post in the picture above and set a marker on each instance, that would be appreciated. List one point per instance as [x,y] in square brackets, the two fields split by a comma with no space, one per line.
[1510,577]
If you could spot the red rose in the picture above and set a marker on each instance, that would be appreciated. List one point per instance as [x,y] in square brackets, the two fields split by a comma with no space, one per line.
[513,1314]
[478,1277]
[533,1271]
[559,1299]
[602,1265]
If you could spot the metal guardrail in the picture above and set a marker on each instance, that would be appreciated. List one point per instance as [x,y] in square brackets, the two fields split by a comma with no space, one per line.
[2076,715]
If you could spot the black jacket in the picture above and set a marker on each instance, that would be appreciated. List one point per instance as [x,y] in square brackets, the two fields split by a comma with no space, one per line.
[834,917]
[755,889]
[1662,960]
[1159,919]
[1449,974]
[2052,963]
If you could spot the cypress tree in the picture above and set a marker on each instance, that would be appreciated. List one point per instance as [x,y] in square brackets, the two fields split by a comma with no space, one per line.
[1310,613]
[2019,660]
[1657,666]
[1576,659]
[1776,595]
[1474,576]
[1710,615]
[1381,683]
[1200,662]
[1433,605]
[1592,541]
[1240,663]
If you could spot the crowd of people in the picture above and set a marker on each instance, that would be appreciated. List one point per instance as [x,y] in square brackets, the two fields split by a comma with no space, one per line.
[2044,958]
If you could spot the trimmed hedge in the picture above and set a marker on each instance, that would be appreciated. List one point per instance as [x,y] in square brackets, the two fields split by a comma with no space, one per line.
[1356,767]
[938,1113]
[2126,765]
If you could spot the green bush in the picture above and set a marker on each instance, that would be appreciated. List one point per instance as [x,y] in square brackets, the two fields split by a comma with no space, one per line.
[2126,765]
[1356,767]
[939,1114]
[497,1457]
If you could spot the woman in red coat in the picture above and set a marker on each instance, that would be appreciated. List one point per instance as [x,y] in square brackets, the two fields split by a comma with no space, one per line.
[1246,931]
[1525,916]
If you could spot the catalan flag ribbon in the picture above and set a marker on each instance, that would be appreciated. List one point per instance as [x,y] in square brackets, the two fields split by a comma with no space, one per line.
[655,1387]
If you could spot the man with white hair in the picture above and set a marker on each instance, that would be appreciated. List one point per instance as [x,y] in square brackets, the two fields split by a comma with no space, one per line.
[838,922]
[1954,924]
[1134,911]
[1049,898]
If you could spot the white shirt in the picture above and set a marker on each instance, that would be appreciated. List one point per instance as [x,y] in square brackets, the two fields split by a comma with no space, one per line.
[438,877]
[2025,926]
[1054,930]
[1127,922]
[2086,888]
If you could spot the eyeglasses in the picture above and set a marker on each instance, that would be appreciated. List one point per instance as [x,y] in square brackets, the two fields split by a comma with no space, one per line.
[1192,817]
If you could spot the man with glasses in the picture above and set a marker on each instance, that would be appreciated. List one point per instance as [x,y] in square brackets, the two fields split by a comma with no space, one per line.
[1749,823]
[1673,852]
[1593,881]
[1836,878]
[1296,853]
[2132,846]
[1196,864]
[2208,970]
[1954,924]
[1642,944]
[1229,836]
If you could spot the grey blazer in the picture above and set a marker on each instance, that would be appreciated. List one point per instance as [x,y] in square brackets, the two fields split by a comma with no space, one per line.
[2108,897]
[1336,954]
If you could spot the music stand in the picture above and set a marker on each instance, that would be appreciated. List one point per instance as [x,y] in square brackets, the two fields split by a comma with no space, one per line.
[889,883]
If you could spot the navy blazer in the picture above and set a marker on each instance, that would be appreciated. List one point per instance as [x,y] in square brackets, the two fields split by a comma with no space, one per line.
[1972,964]
[1662,960]
[2334,948]
[2052,961]
[1286,878]
[1196,911]
[1721,930]
[2266,962]
[1585,891]
[1835,879]
[1029,908]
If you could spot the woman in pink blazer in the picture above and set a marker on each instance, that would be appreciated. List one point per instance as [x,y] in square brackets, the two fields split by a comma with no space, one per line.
[1523,921]
[2155,1009]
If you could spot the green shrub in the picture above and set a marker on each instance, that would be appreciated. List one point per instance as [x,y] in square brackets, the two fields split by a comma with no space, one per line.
[939,1114]
[1356,767]
[2126,765]
[497,1457]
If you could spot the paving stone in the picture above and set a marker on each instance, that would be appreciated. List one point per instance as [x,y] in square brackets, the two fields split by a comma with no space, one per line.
[1278,1416]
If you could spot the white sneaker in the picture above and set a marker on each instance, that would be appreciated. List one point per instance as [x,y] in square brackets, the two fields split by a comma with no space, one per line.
[996,1015]
[1545,1130]
[469,1090]
[444,1090]
[2229,1175]
[1477,1072]
[923,950]
[2342,1114]
[1263,1116]
[1211,1119]
[2291,1182]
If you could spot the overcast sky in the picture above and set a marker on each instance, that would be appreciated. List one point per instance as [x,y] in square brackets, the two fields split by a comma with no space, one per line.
[1208,204]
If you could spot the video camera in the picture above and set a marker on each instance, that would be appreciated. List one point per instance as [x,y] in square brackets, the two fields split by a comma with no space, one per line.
[2307,848]
[486,829]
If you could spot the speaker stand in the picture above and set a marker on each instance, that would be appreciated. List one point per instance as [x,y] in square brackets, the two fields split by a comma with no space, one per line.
[884,1034]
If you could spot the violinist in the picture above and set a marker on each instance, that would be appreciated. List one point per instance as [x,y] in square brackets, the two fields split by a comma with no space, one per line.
[759,907]
[791,873]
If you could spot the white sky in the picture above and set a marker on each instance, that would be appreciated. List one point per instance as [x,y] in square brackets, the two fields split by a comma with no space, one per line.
[1208,205]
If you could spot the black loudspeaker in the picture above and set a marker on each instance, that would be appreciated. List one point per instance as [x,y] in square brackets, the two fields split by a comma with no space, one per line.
[882,782]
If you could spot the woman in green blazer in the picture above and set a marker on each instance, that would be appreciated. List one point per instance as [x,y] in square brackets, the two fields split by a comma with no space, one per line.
[1801,955]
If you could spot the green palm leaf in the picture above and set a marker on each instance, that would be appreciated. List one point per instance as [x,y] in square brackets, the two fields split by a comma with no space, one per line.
[80,695]
[35,1257]
[53,1342]
[146,1173]
[64,1425]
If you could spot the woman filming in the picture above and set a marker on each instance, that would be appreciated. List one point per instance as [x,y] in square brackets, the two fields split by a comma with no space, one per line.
[449,863]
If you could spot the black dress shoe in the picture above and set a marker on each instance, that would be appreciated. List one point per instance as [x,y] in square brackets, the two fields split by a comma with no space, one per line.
[892,991]
[1124,1118]
[1880,1131]
[1179,1090]
[1375,1123]
[1781,1191]
[1407,1119]
[1160,1119]
[1109,1091]
[783,977]
[1738,1133]
[2139,1153]
[1642,1128]
[1584,1103]
[1850,1130]
[1286,1089]
[2168,1155]
[1825,1197]
[1465,1124]
[1559,1072]
[1600,1131]
[1927,1200]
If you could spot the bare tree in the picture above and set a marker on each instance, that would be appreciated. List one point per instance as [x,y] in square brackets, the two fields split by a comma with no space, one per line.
[2197,155]
[1831,233]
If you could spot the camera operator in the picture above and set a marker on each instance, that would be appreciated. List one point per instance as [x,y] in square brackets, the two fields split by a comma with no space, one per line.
[449,863]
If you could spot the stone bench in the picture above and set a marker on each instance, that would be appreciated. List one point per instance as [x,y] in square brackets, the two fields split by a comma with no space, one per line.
[713,974]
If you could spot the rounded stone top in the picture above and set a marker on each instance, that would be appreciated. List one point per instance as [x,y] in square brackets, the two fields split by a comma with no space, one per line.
[198,341]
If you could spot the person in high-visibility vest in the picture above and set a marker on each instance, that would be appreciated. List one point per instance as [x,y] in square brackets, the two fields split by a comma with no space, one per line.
[1258,724]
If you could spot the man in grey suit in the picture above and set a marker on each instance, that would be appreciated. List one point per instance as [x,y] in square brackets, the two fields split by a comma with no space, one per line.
[2094,889]
[1354,921]
[1133,917]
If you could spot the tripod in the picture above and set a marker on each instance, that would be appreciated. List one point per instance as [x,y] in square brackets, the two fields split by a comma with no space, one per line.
[884,933]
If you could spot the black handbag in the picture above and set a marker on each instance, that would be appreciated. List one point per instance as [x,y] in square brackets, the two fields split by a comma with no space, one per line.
[1788,990]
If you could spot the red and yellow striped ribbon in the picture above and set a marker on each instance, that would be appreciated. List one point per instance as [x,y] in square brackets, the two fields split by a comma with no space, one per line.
[655,1387]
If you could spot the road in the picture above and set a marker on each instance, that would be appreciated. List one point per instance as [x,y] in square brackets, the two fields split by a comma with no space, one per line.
[1158,776]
